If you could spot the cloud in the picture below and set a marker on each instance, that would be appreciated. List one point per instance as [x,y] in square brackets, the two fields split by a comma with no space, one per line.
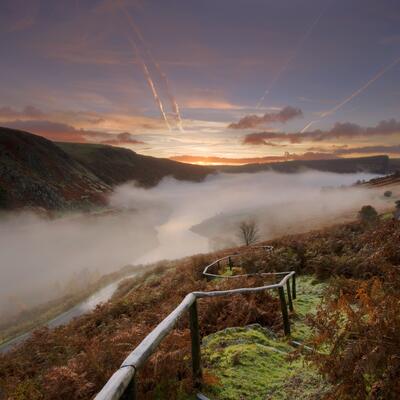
[268,138]
[339,130]
[22,24]
[63,132]
[124,138]
[253,120]
[18,15]
[211,104]
[108,122]
[7,112]
[287,156]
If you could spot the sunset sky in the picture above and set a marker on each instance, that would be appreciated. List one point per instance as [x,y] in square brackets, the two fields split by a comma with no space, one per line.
[238,80]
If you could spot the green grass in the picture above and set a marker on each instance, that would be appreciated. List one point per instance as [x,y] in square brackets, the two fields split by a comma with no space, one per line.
[252,363]
[387,216]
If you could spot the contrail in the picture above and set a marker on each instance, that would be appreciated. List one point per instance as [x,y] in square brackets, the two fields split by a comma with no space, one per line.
[307,126]
[354,94]
[146,72]
[136,30]
[293,55]
[174,104]
[150,82]
[359,91]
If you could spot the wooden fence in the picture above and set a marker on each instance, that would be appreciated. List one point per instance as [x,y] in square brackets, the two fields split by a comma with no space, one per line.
[122,384]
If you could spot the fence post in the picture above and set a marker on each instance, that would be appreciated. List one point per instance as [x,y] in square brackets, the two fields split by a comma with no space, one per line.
[289,294]
[131,391]
[230,264]
[195,336]
[294,286]
[285,315]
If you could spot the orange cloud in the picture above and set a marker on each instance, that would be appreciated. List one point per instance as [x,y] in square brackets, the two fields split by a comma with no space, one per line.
[121,139]
[66,133]
[211,160]
[211,104]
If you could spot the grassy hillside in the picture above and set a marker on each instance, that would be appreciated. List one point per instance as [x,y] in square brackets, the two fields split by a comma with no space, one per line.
[115,165]
[74,361]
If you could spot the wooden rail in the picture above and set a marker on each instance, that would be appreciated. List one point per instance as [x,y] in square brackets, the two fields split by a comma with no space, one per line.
[122,384]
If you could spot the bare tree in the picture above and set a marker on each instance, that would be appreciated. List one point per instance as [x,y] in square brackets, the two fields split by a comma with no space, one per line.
[248,232]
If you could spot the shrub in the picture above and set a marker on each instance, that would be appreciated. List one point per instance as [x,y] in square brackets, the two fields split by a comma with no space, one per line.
[368,214]
[388,193]
[3,198]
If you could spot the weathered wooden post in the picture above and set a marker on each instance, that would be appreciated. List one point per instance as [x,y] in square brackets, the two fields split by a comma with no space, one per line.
[285,315]
[195,336]
[294,294]
[289,293]
[131,391]
[230,264]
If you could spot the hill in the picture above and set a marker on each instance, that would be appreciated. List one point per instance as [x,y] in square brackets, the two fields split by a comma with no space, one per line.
[116,165]
[376,164]
[36,172]
[394,165]
[388,181]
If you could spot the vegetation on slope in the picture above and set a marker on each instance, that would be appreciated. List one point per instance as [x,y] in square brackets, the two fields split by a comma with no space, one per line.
[254,363]
[74,361]
[35,172]
[358,325]
[37,316]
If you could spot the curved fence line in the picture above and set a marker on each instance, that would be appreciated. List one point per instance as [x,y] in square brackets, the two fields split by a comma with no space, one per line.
[122,384]
[229,259]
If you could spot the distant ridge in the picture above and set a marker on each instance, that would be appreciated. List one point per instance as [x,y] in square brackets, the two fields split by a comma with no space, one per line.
[375,164]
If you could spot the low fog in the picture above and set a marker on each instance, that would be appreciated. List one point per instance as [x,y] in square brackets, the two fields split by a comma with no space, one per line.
[280,203]
[42,258]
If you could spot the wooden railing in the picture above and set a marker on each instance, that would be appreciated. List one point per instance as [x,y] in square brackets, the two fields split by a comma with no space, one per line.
[122,384]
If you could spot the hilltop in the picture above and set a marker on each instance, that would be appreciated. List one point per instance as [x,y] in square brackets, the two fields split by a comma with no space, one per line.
[37,172]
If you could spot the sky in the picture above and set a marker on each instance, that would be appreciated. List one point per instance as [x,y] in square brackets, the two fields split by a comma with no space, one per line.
[211,81]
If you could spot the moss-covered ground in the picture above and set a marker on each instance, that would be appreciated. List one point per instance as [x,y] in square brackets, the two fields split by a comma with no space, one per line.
[253,363]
